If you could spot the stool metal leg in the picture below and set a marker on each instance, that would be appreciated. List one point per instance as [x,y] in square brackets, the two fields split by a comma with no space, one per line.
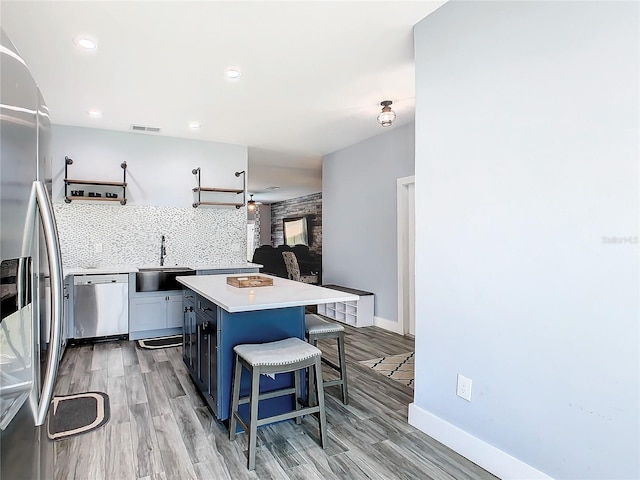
[296,381]
[343,369]
[319,388]
[253,417]
[235,391]
[311,389]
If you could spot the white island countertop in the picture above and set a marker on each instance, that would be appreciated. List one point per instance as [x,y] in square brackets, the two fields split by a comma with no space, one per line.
[283,293]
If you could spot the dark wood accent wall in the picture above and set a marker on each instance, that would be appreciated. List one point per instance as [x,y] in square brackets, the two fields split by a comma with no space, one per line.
[297,207]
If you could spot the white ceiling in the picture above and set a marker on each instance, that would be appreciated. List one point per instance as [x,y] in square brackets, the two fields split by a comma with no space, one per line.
[313,73]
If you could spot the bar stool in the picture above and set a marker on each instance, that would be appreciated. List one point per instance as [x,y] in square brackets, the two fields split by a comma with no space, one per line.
[283,356]
[316,328]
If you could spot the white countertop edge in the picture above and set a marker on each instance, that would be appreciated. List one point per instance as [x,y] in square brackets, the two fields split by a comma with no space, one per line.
[110,269]
[225,266]
[99,270]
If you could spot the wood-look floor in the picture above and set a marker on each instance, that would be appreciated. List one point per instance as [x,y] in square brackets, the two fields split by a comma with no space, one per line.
[160,427]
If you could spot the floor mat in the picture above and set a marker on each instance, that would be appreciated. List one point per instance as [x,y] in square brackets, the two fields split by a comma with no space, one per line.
[78,413]
[397,367]
[161,342]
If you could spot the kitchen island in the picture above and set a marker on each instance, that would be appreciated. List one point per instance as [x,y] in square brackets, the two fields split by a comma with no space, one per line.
[218,316]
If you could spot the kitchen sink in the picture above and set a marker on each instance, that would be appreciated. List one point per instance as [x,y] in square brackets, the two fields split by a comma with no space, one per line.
[160,279]
[166,269]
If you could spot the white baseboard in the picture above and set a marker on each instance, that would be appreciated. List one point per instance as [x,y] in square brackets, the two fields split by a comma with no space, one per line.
[479,452]
[390,325]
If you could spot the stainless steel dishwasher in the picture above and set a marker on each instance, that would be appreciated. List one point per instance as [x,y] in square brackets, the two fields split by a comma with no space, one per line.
[101,305]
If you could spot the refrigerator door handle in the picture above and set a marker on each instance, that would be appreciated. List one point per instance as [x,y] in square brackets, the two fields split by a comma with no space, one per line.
[55,265]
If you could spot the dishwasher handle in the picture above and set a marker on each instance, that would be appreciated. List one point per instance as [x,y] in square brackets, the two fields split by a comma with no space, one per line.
[80,280]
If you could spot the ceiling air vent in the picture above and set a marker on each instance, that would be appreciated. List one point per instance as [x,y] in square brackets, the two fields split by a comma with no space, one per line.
[143,128]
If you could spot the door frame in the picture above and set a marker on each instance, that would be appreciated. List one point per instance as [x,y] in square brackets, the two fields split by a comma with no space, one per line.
[402,232]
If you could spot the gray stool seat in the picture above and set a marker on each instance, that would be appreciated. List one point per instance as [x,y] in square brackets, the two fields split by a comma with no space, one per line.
[317,328]
[283,356]
[314,324]
[280,353]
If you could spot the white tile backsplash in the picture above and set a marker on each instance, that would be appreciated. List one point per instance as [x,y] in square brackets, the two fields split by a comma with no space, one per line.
[131,235]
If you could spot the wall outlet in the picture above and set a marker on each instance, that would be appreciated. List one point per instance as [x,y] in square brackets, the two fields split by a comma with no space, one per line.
[235,247]
[98,247]
[463,388]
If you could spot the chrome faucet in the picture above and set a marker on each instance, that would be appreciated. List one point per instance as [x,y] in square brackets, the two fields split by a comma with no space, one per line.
[163,252]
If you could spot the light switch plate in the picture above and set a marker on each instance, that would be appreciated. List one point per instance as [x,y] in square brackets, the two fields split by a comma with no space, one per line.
[463,388]
[98,247]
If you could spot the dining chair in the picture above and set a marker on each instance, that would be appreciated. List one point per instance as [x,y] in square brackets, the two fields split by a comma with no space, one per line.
[293,269]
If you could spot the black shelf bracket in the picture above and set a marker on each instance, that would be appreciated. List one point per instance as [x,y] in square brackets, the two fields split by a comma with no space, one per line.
[199,189]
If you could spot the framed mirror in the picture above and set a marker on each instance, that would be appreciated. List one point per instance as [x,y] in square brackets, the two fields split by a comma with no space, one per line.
[296,231]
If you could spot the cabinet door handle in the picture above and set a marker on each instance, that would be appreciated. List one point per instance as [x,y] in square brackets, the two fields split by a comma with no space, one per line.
[205,309]
[189,296]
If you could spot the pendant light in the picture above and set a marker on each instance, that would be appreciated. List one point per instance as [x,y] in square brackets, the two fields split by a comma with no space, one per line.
[386,116]
[251,204]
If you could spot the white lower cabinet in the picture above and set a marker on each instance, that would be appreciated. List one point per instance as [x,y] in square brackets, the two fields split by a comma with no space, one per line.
[155,314]
[174,310]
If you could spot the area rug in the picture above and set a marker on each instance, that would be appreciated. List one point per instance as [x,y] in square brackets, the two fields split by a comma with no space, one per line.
[397,367]
[161,342]
[77,414]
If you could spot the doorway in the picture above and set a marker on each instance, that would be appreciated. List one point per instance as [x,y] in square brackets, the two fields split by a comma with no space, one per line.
[406,254]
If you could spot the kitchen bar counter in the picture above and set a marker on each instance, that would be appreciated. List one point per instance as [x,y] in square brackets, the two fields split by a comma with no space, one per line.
[217,317]
[111,269]
[283,293]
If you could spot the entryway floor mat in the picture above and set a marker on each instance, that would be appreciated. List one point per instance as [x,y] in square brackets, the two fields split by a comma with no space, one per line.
[160,342]
[77,414]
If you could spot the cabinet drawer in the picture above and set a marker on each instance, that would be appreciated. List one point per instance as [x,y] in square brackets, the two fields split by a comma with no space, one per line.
[206,308]
[189,298]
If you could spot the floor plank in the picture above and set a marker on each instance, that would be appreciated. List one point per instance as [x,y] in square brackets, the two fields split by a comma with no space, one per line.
[119,451]
[146,451]
[174,453]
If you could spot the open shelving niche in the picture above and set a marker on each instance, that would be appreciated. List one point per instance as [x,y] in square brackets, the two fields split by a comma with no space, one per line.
[68,181]
[221,191]
[357,313]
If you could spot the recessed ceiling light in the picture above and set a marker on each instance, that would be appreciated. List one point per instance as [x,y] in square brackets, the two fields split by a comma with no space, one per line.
[194,125]
[95,113]
[273,187]
[232,73]
[86,43]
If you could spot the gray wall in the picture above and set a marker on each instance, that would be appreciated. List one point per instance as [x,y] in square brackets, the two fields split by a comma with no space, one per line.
[527,244]
[360,218]
[298,207]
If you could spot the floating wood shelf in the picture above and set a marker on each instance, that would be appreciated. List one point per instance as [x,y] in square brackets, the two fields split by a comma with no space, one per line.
[98,183]
[69,181]
[220,190]
[237,205]
[236,191]
[103,199]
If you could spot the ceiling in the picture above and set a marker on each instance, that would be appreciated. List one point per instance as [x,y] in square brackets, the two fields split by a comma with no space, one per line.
[313,73]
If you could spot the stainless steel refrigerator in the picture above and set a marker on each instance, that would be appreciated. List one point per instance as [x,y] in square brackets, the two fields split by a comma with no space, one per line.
[31,335]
